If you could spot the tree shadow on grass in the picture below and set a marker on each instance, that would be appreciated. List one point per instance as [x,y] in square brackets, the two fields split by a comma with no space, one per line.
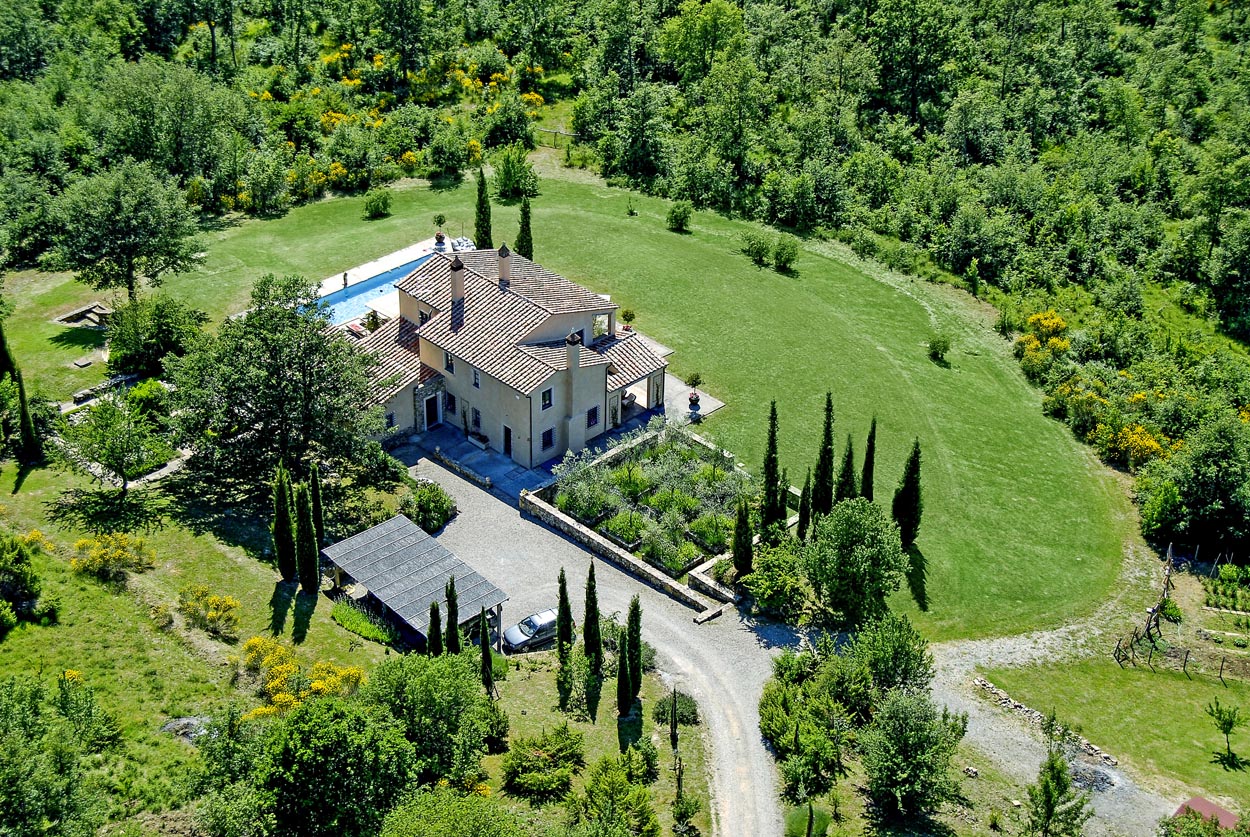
[594,694]
[280,605]
[305,605]
[106,510]
[1230,761]
[918,826]
[917,574]
[446,182]
[204,507]
[629,728]
[23,471]
[73,337]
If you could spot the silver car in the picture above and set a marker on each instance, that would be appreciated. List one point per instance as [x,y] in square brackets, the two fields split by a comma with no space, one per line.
[531,633]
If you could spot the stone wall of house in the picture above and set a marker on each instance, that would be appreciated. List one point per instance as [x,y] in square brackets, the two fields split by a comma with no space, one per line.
[536,507]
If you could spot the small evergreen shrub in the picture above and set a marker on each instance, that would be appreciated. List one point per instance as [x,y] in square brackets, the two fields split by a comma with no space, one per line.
[543,767]
[687,710]
[678,219]
[939,345]
[377,203]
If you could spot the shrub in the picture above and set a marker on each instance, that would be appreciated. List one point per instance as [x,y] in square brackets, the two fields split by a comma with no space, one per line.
[377,203]
[677,501]
[8,619]
[687,710]
[785,252]
[110,557]
[775,582]
[756,246]
[939,345]
[362,623]
[543,767]
[217,615]
[678,219]
[429,506]
[151,399]
[628,315]
[641,762]
[713,530]
[514,176]
[724,572]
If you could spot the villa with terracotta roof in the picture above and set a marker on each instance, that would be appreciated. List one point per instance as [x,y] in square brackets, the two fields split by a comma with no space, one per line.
[524,361]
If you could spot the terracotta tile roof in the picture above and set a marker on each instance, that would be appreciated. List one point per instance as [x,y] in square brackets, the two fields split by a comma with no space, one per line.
[631,359]
[395,345]
[549,291]
[553,355]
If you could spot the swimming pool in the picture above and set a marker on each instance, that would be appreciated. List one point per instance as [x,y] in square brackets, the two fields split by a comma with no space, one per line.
[353,301]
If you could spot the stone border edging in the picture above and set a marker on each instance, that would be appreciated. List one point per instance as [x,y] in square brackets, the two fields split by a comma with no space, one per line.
[536,507]
[1035,718]
[705,584]
[461,470]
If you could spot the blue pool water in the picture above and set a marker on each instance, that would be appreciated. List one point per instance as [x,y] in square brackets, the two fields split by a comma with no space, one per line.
[353,301]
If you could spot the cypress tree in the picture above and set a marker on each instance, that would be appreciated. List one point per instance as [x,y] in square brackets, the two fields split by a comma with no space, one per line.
[773,509]
[805,506]
[633,627]
[314,488]
[31,450]
[743,553]
[524,238]
[481,219]
[283,525]
[590,626]
[306,557]
[488,662]
[451,636]
[822,484]
[8,366]
[434,633]
[564,620]
[624,689]
[908,503]
[846,488]
[870,456]
[672,720]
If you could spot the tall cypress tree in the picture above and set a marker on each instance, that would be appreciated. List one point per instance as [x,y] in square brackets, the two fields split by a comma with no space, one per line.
[481,218]
[525,238]
[314,489]
[743,553]
[434,633]
[870,455]
[307,560]
[773,508]
[908,503]
[633,627]
[30,450]
[8,366]
[672,720]
[451,637]
[805,506]
[564,620]
[846,488]
[822,483]
[488,662]
[283,525]
[624,689]
[590,625]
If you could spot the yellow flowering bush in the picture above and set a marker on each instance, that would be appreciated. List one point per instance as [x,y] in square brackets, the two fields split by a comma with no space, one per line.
[284,684]
[217,615]
[408,161]
[38,540]
[1047,324]
[109,557]
[533,100]
[338,173]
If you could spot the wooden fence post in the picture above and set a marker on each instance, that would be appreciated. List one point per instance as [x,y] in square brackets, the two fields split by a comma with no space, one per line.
[1185,665]
[1222,660]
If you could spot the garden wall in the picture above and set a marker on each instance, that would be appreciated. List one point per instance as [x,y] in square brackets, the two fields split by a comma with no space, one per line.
[540,509]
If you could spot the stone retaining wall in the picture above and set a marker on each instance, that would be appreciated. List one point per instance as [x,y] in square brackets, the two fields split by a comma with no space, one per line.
[536,507]
[701,580]
[455,467]
[1036,718]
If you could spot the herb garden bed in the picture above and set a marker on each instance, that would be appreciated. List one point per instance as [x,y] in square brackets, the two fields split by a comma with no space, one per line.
[662,493]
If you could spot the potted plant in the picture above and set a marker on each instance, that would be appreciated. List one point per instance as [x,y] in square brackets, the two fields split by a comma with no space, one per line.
[694,380]
[627,317]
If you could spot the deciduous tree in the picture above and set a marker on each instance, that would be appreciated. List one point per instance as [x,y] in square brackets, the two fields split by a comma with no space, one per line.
[854,561]
[907,754]
[111,442]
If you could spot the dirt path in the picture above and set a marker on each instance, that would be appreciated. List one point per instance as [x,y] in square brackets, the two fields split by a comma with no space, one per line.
[1124,808]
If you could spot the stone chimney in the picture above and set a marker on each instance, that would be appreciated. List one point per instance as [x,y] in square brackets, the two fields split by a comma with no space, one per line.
[457,280]
[505,267]
[572,360]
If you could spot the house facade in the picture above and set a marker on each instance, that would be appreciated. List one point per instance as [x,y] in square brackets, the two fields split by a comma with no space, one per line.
[520,359]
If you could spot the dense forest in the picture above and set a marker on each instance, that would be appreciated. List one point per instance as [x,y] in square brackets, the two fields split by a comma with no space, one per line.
[1083,164]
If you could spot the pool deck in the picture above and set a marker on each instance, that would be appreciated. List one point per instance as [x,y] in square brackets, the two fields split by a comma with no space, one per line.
[368,270]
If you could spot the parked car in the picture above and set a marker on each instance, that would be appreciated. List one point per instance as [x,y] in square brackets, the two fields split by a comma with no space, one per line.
[531,633]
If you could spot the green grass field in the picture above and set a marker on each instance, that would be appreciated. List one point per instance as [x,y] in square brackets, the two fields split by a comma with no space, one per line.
[1023,528]
[1154,722]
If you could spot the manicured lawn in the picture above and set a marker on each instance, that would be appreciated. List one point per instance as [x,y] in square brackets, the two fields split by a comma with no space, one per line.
[529,697]
[1153,722]
[1022,529]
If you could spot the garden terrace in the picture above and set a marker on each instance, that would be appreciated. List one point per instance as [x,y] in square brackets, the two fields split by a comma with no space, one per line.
[662,493]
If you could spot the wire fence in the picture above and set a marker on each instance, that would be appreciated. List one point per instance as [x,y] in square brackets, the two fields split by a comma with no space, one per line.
[551,138]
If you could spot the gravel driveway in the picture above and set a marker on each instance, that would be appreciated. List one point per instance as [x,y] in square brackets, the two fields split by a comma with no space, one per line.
[723,663]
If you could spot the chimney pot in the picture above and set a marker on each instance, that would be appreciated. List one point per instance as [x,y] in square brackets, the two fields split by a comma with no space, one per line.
[457,280]
[505,266]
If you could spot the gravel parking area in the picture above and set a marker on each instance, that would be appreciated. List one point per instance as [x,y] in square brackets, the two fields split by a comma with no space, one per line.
[723,663]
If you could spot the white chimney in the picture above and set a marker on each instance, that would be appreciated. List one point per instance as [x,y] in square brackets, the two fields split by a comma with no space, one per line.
[457,280]
[505,267]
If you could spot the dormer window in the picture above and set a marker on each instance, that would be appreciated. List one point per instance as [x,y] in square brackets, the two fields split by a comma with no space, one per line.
[423,316]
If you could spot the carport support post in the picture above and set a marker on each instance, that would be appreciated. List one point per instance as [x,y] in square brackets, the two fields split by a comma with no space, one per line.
[499,628]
